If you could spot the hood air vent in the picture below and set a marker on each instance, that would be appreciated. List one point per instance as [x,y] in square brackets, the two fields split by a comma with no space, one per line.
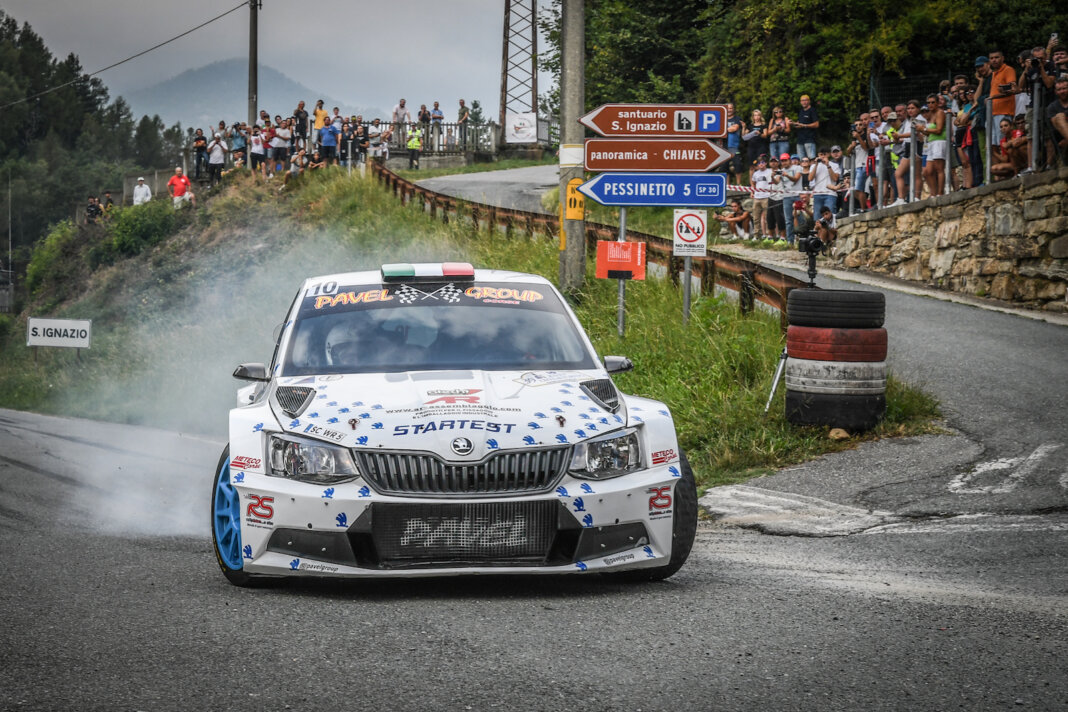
[604,392]
[293,399]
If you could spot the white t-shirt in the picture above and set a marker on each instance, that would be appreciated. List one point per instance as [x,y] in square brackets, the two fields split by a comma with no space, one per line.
[256,143]
[792,187]
[281,138]
[216,152]
[141,194]
[762,184]
[821,184]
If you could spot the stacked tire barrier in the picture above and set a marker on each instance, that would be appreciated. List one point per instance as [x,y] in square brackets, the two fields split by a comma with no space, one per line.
[836,358]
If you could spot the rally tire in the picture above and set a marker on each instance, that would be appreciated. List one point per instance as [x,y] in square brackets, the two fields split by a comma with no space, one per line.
[836,377]
[226,525]
[829,344]
[836,308]
[855,413]
[683,531]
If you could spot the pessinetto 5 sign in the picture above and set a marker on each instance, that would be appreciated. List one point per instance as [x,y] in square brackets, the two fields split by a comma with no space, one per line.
[68,333]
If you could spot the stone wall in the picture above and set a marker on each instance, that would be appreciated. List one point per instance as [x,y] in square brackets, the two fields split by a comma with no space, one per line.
[1007,240]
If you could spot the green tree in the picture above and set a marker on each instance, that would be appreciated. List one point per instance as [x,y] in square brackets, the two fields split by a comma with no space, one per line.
[148,142]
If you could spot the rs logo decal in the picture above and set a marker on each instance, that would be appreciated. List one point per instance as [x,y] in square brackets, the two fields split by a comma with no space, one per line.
[261,506]
[661,497]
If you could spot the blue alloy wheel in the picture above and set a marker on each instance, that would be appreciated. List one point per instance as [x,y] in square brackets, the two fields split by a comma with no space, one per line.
[225,517]
[226,524]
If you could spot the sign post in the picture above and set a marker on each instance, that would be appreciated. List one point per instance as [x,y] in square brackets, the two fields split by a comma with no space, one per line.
[65,333]
[691,239]
[659,157]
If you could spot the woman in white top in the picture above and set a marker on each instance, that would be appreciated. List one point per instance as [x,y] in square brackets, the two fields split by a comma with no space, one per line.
[903,148]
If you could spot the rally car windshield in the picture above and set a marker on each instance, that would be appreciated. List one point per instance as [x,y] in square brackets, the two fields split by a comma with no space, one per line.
[494,328]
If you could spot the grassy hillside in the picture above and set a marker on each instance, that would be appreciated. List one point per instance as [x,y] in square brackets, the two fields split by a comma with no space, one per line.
[176,307]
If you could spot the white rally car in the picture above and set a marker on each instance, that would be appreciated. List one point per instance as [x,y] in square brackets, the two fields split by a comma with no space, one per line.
[434,419]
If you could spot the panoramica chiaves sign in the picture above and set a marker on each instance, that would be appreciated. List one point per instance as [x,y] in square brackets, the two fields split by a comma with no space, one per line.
[71,333]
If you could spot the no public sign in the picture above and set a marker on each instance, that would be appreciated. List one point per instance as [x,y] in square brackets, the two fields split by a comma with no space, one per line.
[691,233]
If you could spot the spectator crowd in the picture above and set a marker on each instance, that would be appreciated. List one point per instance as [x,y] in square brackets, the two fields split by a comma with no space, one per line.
[311,140]
[286,146]
[896,154]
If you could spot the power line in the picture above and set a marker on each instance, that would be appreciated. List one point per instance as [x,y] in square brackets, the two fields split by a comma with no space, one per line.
[130,58]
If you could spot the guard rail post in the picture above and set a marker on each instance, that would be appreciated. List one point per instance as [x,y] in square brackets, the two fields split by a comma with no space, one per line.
[989,108]
[947,129]
[851,193]
[1036,124]
[880,156]
[912,163]
[746,291]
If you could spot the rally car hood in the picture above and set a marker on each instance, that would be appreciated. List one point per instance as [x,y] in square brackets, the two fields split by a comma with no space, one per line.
[428,411]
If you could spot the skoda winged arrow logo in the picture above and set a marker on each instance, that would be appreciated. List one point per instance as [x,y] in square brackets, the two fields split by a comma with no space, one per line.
[462,446]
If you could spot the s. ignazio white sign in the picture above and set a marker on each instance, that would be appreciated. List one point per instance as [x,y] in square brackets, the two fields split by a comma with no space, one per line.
[69,333]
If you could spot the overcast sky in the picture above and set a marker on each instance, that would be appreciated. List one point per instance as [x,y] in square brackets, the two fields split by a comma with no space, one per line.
[366,53]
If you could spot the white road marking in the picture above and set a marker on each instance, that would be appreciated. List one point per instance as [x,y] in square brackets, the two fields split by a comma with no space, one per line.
[976,524]
[1017,469]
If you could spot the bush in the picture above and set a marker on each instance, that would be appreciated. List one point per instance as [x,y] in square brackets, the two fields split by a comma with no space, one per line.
[133,229]
[7,322]
[48,254]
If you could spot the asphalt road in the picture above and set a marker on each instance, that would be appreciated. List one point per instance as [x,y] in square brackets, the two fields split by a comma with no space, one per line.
[112,601]
[926,573]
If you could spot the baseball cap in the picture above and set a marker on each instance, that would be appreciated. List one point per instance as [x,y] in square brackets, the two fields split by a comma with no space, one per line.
[891,116]
[836,148]
[980,61]
[218,136]
[784,157]
[795,157]
[140,177]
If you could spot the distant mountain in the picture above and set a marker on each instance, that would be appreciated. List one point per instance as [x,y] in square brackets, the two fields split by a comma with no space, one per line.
[219,91]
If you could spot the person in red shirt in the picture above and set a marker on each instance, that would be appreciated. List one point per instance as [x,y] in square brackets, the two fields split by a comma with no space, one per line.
[179,187]
[1014,151]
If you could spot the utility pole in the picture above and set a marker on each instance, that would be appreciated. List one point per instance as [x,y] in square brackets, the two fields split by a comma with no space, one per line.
[253,60]
[572,107]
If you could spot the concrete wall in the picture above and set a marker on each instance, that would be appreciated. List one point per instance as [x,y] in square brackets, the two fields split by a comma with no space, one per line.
[1008,240]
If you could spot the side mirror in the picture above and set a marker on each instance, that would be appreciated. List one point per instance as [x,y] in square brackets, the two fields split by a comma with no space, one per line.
[251,372]
[617,364]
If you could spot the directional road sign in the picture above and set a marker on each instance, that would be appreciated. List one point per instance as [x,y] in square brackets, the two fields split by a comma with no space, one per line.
[653,154]
[671,189]
[658,120]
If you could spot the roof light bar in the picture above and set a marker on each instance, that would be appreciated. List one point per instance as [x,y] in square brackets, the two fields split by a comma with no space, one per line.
[427,272]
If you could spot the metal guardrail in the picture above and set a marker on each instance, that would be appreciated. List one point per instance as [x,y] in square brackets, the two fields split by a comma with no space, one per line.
[752,281]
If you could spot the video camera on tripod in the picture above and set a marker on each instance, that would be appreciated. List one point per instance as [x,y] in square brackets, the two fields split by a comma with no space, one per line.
[809,242]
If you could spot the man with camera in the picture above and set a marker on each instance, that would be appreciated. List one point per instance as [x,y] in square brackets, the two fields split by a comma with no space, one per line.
[217,151]
[821,176]
[858,149]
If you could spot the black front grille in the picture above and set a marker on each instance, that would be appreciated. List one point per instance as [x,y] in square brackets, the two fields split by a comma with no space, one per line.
[293,399]
[484,533]
[521,472]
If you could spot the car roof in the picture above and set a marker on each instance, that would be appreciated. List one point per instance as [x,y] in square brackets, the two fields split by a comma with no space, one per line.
[481,275]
